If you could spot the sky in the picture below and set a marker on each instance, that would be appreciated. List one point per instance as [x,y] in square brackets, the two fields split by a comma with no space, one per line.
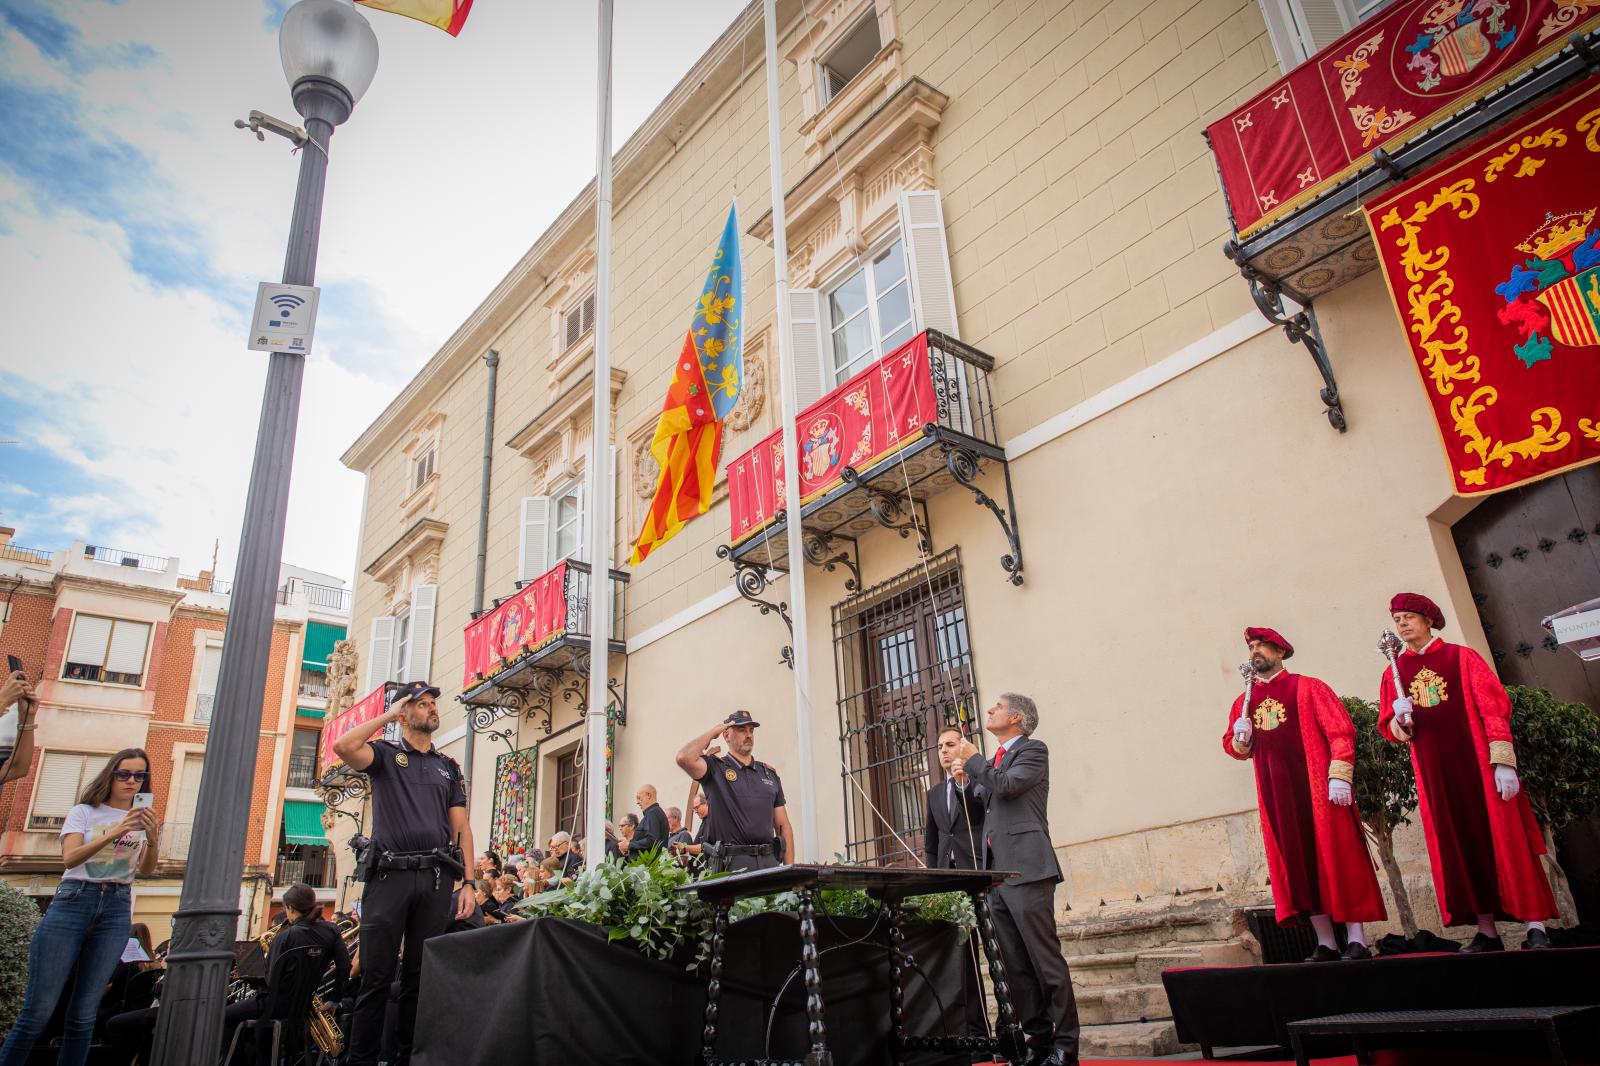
[136,222]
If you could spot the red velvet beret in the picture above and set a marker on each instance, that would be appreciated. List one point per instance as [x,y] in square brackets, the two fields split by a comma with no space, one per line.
[1270,636]
[1418,604]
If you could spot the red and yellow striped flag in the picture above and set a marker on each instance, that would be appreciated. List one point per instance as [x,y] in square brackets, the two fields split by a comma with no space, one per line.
[705,386]
[448,15]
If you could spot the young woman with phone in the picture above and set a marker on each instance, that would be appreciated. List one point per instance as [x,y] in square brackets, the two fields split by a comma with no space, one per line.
[105,842]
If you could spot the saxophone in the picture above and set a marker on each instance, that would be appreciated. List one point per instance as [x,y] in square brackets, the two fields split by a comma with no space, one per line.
[323,1026]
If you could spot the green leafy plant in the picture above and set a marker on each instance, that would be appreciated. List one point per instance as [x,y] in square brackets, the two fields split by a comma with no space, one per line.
[1386,794]
[18,917]
[641,902]
[1558,760]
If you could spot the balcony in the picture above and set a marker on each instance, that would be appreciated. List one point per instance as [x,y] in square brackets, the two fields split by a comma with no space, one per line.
[302,771]
[17,553]
[308,864]
[154,564]
[915,423]
[532,647]
[326,597]
[313,683]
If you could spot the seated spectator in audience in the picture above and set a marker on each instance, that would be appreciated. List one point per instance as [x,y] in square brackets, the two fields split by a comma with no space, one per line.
[475,920]
[489,865]
[676,833]
[550,874]
[485,902]
[504,892]
[569,855]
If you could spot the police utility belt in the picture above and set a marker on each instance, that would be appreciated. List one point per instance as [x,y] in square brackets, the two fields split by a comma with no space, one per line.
[719,854]
[374,861]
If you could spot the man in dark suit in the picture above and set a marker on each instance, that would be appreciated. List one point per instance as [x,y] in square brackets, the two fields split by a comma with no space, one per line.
[950,838]
[1017,837]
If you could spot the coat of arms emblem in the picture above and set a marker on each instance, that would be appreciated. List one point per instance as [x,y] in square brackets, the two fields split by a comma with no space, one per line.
[820,451]
[1556,288]
[1428,689]
[1455,37]
[510,632]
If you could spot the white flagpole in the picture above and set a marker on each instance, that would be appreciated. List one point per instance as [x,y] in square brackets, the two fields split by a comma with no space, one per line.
[806,845]
[599,491]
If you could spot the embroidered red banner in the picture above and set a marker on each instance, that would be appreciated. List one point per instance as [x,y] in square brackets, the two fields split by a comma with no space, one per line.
[364,710]
[1493,260]
[536,615]
[1384,82]
[875,413]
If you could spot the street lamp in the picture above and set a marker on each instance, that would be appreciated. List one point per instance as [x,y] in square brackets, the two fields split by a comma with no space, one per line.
[329,55]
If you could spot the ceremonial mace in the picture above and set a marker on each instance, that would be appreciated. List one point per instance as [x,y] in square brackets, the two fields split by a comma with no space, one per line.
[1389,647]
[1247,672]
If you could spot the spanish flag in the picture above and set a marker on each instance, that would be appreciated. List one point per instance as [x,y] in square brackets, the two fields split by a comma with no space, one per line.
[448,15]
[705,386]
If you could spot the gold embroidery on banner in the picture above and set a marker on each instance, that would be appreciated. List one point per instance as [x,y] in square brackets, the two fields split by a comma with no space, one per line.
[1550,138]
[1590,427]
[1269,714]
[1428,689]
[1567,12]
[1375,125]
[1590,124]
[1351,66]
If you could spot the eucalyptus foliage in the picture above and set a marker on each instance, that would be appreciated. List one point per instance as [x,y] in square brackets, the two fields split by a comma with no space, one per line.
[640,902]
[18,917]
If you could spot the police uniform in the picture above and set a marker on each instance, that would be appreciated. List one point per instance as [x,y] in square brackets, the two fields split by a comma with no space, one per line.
[742,799]
[409,896]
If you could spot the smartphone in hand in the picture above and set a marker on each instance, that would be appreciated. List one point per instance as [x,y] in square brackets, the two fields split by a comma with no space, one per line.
[13,665]
[143,800]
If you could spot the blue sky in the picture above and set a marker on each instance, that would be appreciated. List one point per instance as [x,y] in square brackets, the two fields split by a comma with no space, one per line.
[135,223]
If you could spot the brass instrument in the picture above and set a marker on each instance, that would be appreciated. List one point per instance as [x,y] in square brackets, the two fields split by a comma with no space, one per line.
[324,1027]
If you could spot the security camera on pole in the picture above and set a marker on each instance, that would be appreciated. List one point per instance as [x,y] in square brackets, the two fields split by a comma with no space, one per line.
[329,55]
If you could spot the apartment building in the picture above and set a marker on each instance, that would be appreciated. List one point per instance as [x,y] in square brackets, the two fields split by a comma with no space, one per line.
[1119,452]
[126,651]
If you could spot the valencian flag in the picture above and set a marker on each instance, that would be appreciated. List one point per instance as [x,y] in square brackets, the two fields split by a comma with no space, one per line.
[448,15]
[1493,260]
[705,386]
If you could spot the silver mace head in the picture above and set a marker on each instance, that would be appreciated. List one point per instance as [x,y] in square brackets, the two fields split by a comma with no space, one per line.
[1247,672]
[1389,644]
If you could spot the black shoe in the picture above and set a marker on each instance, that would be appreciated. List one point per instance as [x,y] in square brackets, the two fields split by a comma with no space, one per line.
[1537,940]
[1353,950]
[1054,1057]
[1482,943]
[1323,954]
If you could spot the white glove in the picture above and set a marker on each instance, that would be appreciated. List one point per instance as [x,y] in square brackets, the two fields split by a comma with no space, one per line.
[1505,779]
[1339,793]
[1243,730]
[1403,709]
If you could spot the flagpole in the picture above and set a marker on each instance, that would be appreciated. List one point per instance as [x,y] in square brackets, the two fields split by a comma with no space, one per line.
[807,844]
[600,500]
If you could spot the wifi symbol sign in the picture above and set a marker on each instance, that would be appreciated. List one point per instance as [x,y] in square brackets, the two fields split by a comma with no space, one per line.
[286,302]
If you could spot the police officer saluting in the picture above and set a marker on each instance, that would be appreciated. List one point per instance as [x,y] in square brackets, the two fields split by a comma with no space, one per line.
[746,797]
[420,835]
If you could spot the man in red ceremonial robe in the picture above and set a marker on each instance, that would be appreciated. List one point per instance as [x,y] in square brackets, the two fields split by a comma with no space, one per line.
[1302,742]
[1483,841]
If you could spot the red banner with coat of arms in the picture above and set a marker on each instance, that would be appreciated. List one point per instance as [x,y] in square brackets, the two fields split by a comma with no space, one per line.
[1397,73]
[532,618]
[1493,260]
[875,413]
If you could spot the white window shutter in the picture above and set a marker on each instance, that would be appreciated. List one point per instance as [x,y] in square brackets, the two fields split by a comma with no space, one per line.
[56,792]
[128,643]
[90,635]
[807,346]
[210,668]
[380,651]
[933,294]
[1321,22]
[533,550]
[424,605]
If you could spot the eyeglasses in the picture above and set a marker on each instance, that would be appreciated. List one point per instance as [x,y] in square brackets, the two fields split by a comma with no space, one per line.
[131,775]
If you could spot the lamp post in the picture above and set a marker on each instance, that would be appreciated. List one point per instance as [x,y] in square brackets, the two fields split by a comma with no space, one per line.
[329,55]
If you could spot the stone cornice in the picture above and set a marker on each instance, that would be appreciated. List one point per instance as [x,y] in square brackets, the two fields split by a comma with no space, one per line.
[421,532]
[169,597]
[573,403]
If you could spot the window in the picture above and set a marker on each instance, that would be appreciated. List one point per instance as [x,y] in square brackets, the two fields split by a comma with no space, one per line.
[107,650]
[1300,29]
[313,683]
[853,54]
[869,312]
[577,321]
[569,793]
[421,469]
[176,834]
[62,778]
[303,758]
[566,523]
[402,647]
[206,694]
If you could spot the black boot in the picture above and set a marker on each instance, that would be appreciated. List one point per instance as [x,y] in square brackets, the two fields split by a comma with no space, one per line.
[1354,950]
[1323,954]
[1537,940]
[1482,943]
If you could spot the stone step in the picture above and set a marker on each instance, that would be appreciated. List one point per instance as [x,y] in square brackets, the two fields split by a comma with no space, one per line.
[1131,1003]
[1132,1040]
[1109,969]
[1143,932]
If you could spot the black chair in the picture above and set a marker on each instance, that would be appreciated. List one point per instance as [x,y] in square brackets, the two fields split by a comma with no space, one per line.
[292,985]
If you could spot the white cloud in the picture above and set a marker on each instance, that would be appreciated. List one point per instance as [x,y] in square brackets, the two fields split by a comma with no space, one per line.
[461,153]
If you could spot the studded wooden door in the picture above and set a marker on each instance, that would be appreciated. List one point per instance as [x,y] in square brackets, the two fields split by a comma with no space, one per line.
[1529,553]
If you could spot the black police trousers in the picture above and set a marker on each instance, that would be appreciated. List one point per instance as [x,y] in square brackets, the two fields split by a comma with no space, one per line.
[397,906]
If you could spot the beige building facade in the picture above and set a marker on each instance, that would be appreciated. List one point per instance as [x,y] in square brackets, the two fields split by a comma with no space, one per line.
[1032,179]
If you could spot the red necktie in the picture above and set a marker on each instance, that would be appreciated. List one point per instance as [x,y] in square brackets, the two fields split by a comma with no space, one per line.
[1001,754]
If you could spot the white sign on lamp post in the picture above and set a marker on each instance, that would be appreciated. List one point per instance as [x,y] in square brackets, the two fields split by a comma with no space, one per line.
[284,319]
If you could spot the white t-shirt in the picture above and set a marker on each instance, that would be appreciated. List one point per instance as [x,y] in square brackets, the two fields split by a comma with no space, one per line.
[115,862]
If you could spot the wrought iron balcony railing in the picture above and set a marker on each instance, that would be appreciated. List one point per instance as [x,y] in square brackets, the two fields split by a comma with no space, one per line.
[532,647]
[914,423]
[302,771]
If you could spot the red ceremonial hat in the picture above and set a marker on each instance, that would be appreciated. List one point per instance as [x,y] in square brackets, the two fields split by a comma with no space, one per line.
[1417,603]
[1271,636]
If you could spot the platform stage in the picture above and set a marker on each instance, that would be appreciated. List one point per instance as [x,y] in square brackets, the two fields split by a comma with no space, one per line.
[1245,1006]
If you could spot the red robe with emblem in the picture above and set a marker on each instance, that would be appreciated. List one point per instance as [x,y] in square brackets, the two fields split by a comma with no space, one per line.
[1316,852]
[1484,850]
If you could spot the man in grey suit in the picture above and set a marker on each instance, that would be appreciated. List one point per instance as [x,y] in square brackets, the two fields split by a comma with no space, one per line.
[1017,837]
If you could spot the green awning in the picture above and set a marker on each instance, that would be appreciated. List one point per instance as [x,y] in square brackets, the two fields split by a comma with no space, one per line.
[302,822]
[320,638]
[308,712]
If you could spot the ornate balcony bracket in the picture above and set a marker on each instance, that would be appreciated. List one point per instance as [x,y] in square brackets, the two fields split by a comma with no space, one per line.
[578,689]
[339,783]
[817,546]
[750,579]
[1300,328]
[964,466]
[481,720]
[1586,52]
[892,509]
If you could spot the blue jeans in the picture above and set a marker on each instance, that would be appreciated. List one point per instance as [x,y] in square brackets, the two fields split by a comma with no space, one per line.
[82,935]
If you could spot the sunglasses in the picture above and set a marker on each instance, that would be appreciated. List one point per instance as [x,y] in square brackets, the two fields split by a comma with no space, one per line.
[131,775]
